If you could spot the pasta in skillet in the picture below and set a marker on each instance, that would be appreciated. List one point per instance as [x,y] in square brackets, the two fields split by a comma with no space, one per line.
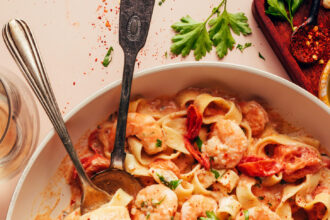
[205,155]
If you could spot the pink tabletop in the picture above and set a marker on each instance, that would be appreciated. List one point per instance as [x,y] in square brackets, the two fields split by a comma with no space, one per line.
[73,37]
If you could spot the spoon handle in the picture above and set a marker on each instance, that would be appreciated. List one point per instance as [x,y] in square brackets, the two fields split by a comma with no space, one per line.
[21,44]
[118,154]
[314,11]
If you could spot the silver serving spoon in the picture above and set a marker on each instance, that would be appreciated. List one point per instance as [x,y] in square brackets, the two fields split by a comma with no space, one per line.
[134,22]
[21,44]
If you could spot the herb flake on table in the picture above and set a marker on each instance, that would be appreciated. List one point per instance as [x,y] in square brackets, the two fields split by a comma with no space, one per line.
[193,35]
[243,47]
[108,57]
[261,56]
[161,2]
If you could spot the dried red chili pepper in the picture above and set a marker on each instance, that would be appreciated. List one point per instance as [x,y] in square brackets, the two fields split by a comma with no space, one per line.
[200,157]
[308,44]
[94,143]
[258,166]
[194,122]
[92,165]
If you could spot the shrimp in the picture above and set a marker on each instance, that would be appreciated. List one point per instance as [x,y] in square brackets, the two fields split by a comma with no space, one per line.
[165,165]
[257,213]
[227,144]
[155,202]
[197,206]
[145,128]
[255,115]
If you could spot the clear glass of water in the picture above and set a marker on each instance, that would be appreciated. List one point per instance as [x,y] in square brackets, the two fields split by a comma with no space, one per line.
[19,124]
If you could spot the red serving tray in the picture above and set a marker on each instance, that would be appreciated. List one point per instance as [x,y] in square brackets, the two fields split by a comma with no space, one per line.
[278,34]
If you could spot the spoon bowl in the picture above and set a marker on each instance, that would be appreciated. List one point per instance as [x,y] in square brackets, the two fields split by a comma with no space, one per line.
[110,180]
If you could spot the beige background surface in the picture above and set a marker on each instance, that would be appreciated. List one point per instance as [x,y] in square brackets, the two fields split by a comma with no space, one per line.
[73,38]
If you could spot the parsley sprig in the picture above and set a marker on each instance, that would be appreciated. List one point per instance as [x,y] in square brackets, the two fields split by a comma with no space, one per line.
[193,35]
[277,8]
[210,216]
[173,184]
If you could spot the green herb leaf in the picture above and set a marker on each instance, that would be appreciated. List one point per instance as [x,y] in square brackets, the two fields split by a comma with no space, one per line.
[191,35]
[155,204]
[108,57]
[199,143]
[269,204]
[261,197]
[165,54]
[246,214]
[143,204]
[220,32]
[158,143]
[216,173]
[221,35]
[277,8]
[161,2]
[238,23]
[262,57]
[148,216]
[242,48]
[295,5]
[172,184]
[210,216]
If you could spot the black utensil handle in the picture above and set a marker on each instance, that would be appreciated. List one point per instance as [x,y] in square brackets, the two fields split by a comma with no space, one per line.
[314,11]
[118,153]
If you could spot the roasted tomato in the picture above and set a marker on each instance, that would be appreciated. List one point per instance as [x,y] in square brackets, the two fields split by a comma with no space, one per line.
[258,166]
[94,143]
[200,157]
[194,122]
[92,165]
[297,161]
[317,212]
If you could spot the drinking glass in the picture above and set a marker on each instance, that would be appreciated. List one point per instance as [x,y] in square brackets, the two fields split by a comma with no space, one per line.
[19,124]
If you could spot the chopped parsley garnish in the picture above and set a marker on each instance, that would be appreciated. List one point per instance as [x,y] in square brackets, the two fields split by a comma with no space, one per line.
[257,185]
[172,218]
[143,204]
[258,179]
[108,57]
[210,216]
[155,204]
[199,143]
[148,216]
[216,173]
[262,57]
[246,214]
[261,197]
[172,184]
[282,182]
[165,54]
[193,35]
[243,47]
[158,143]
[269,204]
